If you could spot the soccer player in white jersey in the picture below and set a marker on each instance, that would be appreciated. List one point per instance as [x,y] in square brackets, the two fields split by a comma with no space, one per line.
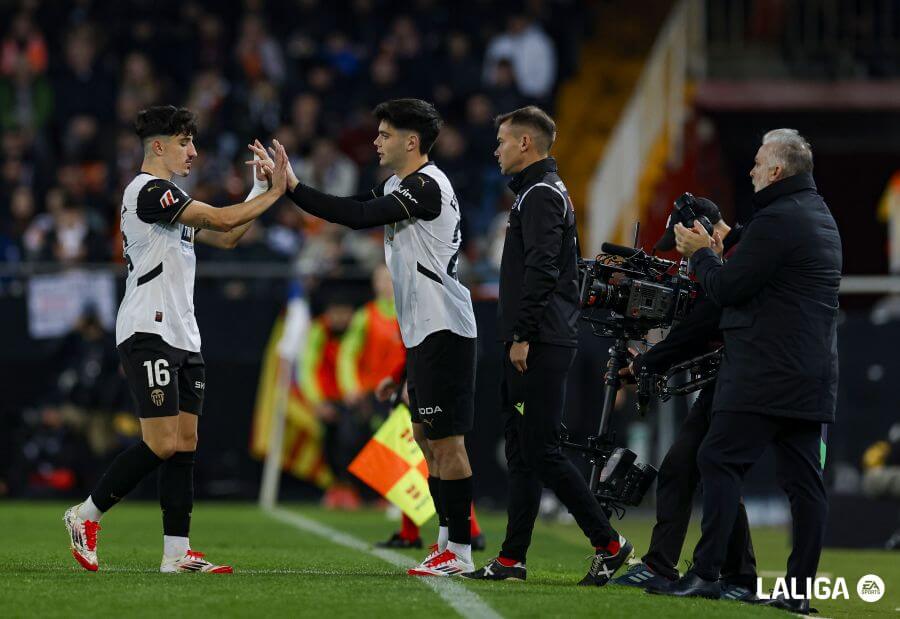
[420,214]
[156,331]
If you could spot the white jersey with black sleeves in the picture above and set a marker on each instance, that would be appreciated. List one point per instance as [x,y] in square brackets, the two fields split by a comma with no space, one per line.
[422,256]
[159,251]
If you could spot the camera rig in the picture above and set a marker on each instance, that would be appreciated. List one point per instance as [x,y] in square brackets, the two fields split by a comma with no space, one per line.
[624,294]
[702,371]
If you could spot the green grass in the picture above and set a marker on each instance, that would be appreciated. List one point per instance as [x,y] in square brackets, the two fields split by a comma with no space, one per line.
[285,572]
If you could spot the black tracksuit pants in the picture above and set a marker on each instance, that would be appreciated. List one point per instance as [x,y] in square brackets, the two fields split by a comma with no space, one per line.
[735,441]
[676,485]
[533,406]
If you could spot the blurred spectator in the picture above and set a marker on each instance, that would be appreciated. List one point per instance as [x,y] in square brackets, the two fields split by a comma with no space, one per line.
[72,240]
[89,375]
[83,86]
[328,170]
[458,76]
[139,82]
[503,91]
[532,53]
[318,381]
[258,53]
[372,347]
[26,99]
[23,44]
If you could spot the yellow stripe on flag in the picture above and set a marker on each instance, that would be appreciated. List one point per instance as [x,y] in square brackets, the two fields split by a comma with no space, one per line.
[393,465]
[302,453]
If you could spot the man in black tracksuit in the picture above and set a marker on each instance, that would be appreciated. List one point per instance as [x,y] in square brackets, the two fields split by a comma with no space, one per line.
[538,315]
[777,383]
[679,476]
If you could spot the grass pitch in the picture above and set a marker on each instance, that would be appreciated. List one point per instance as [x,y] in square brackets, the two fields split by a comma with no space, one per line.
[285,571]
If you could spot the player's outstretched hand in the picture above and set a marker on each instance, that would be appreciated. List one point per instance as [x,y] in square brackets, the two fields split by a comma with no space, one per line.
[279,175]
[262,163]
[292,180]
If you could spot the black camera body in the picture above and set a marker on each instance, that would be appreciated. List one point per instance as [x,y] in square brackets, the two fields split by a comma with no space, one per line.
[622,481]
[685,212]
[639,292]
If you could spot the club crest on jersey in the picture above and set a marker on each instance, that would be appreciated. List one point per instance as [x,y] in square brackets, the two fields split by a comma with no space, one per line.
[158,397]
[167,199]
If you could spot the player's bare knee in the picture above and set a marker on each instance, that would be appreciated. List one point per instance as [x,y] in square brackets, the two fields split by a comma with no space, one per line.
[187,442]
[163,446]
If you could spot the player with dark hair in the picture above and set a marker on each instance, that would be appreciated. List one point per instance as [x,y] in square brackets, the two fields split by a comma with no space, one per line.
[420,213]
[156,331]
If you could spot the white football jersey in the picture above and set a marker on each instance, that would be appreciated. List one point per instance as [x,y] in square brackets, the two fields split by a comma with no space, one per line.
[422,256]
[159,251]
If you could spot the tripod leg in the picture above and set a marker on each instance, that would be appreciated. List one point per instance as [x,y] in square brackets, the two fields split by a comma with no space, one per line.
[611,383]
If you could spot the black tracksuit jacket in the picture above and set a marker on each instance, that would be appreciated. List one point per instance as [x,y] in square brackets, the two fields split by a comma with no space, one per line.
[538,271]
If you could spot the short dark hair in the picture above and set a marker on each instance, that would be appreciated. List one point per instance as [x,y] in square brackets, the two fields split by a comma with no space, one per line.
[413,115]
[533,117]
[165,120]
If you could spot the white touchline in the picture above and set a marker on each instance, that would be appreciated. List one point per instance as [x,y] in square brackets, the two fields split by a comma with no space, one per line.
[463,600]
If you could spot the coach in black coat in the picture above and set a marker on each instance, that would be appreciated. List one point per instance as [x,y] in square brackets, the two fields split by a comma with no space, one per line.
[779,299]
[778,378]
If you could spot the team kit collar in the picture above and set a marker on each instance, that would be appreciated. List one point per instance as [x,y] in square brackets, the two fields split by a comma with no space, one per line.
[532,174]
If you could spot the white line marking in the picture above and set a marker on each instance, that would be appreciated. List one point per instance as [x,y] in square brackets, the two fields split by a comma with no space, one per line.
[464,601]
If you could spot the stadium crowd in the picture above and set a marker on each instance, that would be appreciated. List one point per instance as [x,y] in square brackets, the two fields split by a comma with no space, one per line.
[73,76]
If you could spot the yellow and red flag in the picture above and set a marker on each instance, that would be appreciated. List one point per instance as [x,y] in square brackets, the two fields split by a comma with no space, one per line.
[302,452]
[394,466]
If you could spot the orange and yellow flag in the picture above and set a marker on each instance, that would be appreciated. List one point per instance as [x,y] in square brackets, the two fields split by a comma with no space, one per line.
[394,466]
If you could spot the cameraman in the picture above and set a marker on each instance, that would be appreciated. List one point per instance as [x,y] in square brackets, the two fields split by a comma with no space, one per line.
[777,383]
[538,324]
[678,476]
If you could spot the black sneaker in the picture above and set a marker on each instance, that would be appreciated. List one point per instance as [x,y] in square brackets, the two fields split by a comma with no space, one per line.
[737,593]
[604,564]
[396,541]
[497,571]
[640,575]
[479,543]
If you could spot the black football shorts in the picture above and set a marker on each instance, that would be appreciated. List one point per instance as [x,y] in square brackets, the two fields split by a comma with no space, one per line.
[440,375]
[163,379]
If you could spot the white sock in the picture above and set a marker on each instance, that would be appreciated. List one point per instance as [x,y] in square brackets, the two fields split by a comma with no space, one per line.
[463,551]
[175,546]
[443,538]
[89,511]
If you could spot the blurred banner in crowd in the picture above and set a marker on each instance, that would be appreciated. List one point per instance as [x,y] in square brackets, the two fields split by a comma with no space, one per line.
[57,301]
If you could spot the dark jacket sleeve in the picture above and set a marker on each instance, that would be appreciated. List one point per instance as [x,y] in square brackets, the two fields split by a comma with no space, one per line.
[751,268]
[687,339]
[543,218]
[417,196]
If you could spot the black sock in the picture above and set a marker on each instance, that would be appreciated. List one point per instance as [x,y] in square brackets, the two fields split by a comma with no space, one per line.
[125,472]
[434,486]
[457,497]
[176,493]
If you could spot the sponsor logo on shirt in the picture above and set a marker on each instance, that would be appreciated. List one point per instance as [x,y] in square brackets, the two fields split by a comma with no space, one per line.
[403,191]
[167,199]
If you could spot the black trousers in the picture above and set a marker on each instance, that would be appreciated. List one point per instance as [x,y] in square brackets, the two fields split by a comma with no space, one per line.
[675,487]
[735,441]
[533,406]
